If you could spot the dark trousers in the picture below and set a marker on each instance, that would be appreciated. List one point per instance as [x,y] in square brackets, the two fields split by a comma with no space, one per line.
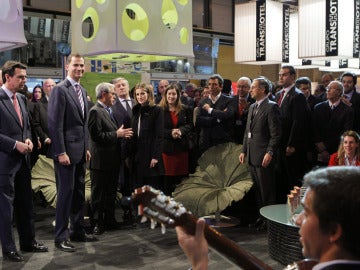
[103,194]
[290,171]
[264,184]
[70,185]
[16,200]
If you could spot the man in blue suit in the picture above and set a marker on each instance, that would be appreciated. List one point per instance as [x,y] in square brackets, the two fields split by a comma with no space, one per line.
[67,122]
[15,174]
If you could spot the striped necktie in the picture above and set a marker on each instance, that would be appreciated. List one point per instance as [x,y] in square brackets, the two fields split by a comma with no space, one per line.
[80,96]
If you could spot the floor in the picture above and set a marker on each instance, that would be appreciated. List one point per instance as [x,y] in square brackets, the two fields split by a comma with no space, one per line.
[133,248]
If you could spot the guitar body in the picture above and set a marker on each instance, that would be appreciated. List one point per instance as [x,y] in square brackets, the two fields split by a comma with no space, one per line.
[163,209]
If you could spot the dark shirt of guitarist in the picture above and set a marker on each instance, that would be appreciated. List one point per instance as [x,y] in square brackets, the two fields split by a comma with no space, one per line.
[329,224]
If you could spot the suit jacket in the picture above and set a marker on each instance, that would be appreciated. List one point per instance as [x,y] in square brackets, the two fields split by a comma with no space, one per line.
[295,114]
[355,104]
[263,132]
[11,131]
[104,144]
[67,125]
[121,115]
[40,120]
[328,125]
[185,124]
[217,127]
[312,101]
[240,120]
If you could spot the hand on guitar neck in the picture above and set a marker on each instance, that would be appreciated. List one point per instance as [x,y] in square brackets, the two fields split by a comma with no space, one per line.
[155,205]
[194,234]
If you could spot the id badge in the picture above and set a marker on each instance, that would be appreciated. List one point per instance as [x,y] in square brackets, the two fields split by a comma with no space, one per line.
[249,135]
[238,123]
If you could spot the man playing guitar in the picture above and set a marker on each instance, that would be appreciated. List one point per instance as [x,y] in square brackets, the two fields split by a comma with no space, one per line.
[329,224]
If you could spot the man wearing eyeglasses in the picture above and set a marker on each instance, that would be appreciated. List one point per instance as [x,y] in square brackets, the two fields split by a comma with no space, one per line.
[105,148]
[331,118]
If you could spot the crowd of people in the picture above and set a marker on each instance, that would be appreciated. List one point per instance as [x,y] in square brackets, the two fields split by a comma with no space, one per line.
[132,138]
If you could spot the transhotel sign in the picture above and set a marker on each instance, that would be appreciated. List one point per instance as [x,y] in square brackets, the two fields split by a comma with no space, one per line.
[356,28]
[261,31]
[286,34]
[332,28]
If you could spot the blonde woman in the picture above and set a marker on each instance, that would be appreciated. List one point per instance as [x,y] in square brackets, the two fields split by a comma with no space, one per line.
[348,153]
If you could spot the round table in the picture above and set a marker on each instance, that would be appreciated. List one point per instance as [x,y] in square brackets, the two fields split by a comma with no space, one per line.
[283,236]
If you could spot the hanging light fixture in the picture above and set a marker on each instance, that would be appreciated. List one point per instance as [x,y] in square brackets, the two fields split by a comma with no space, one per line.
[132,31]
[11,25]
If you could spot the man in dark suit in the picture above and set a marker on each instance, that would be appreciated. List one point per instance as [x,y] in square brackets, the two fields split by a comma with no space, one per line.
[295,131]
[242,103]
[40,118]
[215,118]
[122,110]
[68,130]
[261,142]
[331,119]
[105,157]
[351,97]
[15,174]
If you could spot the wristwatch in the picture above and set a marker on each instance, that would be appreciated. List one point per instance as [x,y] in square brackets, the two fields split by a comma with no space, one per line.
[271,153]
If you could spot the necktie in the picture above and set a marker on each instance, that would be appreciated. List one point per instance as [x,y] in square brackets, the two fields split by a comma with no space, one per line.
[255,110]
[80,96]
[109,110]
[128,108]
[281,97]
[242,105]
[17,108]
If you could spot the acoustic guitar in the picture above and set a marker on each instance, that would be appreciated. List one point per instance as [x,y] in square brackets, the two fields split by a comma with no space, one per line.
[160,208]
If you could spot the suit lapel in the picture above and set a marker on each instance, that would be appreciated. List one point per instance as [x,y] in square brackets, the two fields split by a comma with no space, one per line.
[74,96]
[9,106]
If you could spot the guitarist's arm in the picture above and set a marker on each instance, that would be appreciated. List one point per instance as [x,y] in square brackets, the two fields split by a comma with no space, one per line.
[195,246]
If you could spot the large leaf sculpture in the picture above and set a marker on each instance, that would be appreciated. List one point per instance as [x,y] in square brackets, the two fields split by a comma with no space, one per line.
[43,180]
[219,180]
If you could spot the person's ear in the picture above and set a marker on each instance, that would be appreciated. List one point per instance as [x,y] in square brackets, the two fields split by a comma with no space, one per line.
[335,233]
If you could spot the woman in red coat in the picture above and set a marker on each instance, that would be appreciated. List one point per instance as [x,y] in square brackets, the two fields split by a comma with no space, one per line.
[348,153]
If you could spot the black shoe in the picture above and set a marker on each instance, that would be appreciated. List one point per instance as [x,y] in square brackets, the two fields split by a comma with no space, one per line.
[35,247]
[83,238]
[98,230]
[13,256]
[65,246]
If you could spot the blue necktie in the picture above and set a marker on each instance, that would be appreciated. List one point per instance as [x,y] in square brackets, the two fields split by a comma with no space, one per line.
[109,110]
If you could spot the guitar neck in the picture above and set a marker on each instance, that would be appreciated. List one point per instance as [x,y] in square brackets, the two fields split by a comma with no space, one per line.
[225,246]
